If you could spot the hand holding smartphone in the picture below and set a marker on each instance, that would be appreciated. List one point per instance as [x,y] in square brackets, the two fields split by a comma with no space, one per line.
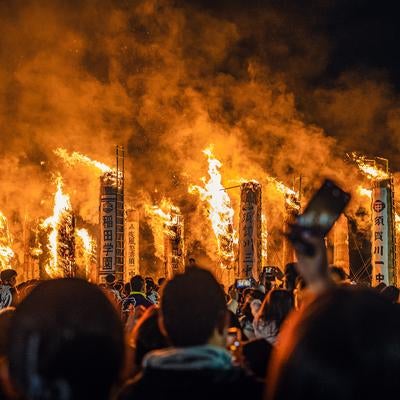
[319,216]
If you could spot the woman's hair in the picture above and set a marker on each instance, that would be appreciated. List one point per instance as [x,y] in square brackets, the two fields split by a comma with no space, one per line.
[276,306]
[344,345]
[147,335]
[66,342]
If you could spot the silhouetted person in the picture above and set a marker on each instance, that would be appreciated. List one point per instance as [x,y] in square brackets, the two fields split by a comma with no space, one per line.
[256,356]
[344,345]
[274,310]
[137,296]
[290,276]
[8,291]
[391,293]
[197,366]
[147,336]
[67,343]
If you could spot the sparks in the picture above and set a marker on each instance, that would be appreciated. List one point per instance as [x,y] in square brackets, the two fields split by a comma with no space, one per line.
[368,167]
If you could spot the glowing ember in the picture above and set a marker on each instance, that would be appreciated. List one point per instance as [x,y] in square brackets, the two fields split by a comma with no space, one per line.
[85,249]
[61,212]
[368,167]
[76,157]
[220,211]
[397,222]
[364,192]
[161,219]
[6,253]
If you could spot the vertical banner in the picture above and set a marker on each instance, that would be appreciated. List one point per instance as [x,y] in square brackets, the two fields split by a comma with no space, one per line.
[131,244]
[380,236]
[250,244]
[341,256]
[107,248]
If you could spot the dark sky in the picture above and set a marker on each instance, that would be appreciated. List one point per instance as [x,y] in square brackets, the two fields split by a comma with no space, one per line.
[362,34]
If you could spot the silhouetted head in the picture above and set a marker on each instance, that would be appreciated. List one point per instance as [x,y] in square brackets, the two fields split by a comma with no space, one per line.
[344,345]
[67,342]
[391,293]
[277,306]
[137,283]
[8,277]
[193,308]
[147,335]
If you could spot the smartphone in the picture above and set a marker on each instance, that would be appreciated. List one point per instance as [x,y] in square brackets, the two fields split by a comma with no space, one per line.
[234,344]
[320,215]
[244,283]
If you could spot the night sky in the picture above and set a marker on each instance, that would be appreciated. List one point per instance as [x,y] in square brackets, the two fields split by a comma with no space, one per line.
[329,51]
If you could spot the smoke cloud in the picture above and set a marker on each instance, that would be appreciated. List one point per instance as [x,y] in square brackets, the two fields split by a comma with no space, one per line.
[166,79]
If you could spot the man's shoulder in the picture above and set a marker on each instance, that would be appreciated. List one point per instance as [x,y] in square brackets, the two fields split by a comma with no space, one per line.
[161,384]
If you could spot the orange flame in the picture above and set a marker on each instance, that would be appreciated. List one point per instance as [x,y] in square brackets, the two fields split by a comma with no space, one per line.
[6,252]
[368,167]
[87,247]
[364,192]
[397,222]
[75,157]
[62,205]
[264,239]
[291,196]
[162,217]
[220,211]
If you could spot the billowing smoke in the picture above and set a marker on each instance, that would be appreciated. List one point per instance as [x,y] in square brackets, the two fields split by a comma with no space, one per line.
[167,79]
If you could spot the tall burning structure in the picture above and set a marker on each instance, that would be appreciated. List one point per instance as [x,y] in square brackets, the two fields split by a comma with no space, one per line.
[174,249]
[341,257]
[167,225]
[250,230]
[220,213]
[111,220]
[383,240]
[61,238]
[292,209]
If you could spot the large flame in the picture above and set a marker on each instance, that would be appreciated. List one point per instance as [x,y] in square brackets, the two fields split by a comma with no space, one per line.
[368,167]
[87,248]
[161,218]
[220,211]
[6,252]
[76,157]
[62,206]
